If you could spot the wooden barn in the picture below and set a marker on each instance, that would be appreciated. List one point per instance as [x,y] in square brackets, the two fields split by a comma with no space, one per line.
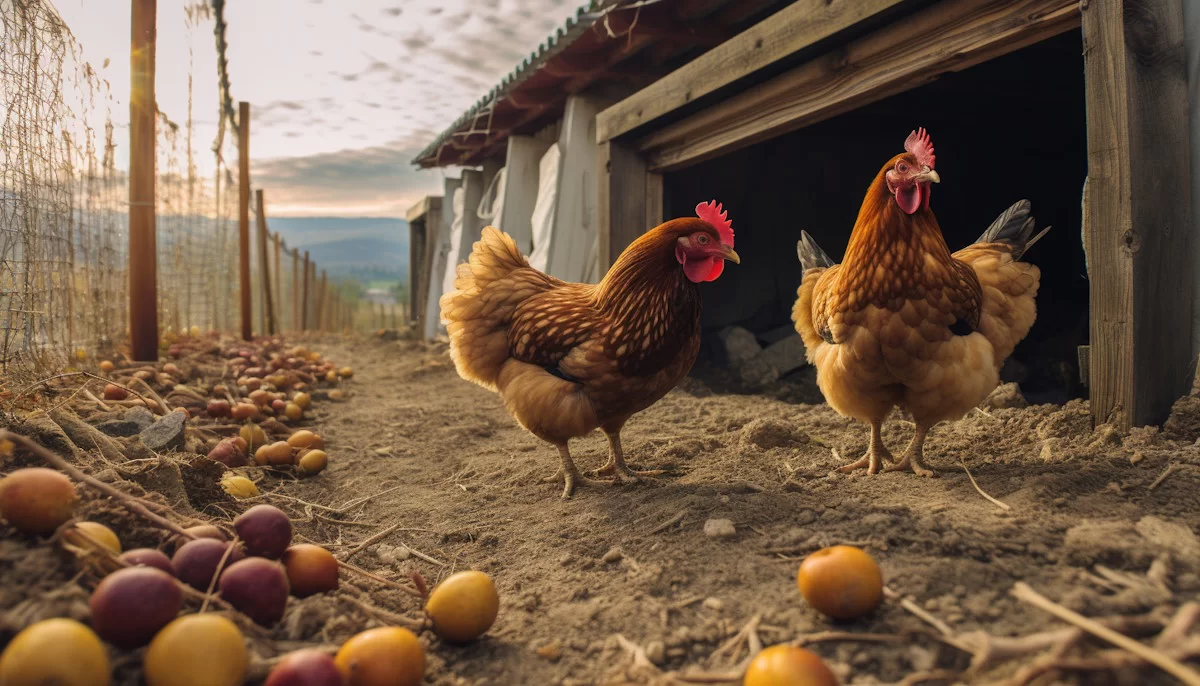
[784,111]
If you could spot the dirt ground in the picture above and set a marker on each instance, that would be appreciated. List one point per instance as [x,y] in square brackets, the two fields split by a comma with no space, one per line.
[1099,522]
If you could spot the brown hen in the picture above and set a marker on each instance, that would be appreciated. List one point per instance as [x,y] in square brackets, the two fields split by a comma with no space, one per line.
[569,358]
[902,322]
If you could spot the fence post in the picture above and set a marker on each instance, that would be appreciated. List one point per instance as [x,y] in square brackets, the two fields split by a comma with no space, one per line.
[143,246]
[322,297]
[304,296]
[244,218]
[265,264]
[295,289]
[278,280]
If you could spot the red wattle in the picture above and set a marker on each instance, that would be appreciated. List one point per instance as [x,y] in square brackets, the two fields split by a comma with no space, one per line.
[909,199]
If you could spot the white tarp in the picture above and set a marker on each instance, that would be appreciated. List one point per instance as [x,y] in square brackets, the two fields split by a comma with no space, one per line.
[456,239]
[491,205]
[543,209]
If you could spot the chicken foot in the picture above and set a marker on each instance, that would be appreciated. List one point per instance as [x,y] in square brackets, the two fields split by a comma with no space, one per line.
[914,454]
[570,475]
[875,455]
[616,462]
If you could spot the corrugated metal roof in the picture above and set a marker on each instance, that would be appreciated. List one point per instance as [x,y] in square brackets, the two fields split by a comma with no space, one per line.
[575,26]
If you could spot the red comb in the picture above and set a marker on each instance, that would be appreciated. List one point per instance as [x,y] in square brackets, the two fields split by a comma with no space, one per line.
[918,144]
[712,213]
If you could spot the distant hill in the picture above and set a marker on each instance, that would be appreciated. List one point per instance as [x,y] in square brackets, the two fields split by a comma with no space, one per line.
[361,247]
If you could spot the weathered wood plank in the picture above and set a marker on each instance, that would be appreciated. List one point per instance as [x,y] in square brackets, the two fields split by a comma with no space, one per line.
[521,188]
[1138,209]
[793,28]
[572,257]
[949,36]
[624,199]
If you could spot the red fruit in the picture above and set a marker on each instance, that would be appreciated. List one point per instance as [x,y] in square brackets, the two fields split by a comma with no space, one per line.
[307,667]
[258,588]
[228,453]
[265,529]
[115,392]
[218,408]
[196,561]
[149,557]
[129,606]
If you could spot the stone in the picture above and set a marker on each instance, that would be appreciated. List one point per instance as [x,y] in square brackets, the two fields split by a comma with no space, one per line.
[613,555]
[120,428]
[656,652]
[166,434]
[141,416]
[719,528]
[1006,396]
[740,345]
[715,604]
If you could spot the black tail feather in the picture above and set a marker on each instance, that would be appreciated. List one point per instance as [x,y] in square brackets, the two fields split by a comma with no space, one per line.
[811,255]
[1014,227]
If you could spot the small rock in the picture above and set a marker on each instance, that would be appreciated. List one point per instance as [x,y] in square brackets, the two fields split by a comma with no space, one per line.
[613,555]
[141,416]
[119,428]
[656,652]
[719,528]
[383,451]
[777,359]
[1006,396]
[740,345]
[166,434]
[551,651]
[1105,434]
[714,604]
[565,559]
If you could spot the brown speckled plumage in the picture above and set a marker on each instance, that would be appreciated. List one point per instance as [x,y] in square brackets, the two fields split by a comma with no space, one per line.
[903,322]
[570,358]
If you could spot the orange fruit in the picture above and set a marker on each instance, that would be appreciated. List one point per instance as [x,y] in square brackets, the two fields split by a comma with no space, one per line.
[387,656]
[841,582]
[463,607]
[787,665]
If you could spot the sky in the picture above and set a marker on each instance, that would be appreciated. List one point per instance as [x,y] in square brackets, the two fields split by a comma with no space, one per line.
[343,93]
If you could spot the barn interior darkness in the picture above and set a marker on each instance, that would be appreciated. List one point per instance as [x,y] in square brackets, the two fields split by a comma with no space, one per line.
[1010,128]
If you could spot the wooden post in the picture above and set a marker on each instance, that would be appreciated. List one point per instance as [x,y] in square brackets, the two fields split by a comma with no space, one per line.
[265,265]
[1138,211]
[521,168]
[244,218]
[143,246]
[575,216]
[304,296]
[630,199]
[295,289]
[322,297]
[278,280]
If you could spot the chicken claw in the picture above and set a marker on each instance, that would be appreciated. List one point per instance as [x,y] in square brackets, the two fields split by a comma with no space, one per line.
[570,475]
[913,455]
[616,466]
[875,455]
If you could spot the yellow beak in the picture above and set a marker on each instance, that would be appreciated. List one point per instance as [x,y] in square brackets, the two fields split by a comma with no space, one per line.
[728,253]
[928,175]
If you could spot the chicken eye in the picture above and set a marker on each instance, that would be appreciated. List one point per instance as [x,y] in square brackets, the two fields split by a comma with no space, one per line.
[702,239]
[902,168]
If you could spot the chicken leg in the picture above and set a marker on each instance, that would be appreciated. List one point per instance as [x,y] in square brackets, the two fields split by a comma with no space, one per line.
[876,453]
[570,474]
[616,462]
[914,454]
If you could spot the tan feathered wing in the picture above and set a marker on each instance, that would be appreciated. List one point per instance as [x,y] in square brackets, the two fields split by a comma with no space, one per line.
[489,288]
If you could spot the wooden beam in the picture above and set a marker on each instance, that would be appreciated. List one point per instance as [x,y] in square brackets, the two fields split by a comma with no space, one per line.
[521,169]
[278,277]
[949,36]
[244,219]
[789,30]
[576,213]
[295,289]
[143,246]
[304,294]
[264,264]
[627,206]
[436,254]
[1138,210]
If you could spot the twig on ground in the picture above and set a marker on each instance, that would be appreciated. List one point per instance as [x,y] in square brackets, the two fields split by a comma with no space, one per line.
[429,559]
[378,579]
[132,502]
[212,583]
[990,499]
[367,543]
[1163,476]
[165,408]
[92,396]
[386,616]
[1185,674]
[669,523]
[359,501]
[942,628]
[838,636]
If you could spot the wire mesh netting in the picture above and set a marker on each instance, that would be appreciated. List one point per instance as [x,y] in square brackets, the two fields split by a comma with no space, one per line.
[64,199]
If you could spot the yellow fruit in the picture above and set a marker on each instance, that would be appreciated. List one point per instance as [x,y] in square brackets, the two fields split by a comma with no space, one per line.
[107,366]
[783,665]
[239,486]
[277,453]
[80,354]
[331,376]
[302,399]
[463,607]
[387,656]
[61,652]
[346,372]
[841,582]
[302,439]
[253,435]
[197,650]
[293,411]
[194,331]
[36,500]
[313,462]
[7,447]
[96,534]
